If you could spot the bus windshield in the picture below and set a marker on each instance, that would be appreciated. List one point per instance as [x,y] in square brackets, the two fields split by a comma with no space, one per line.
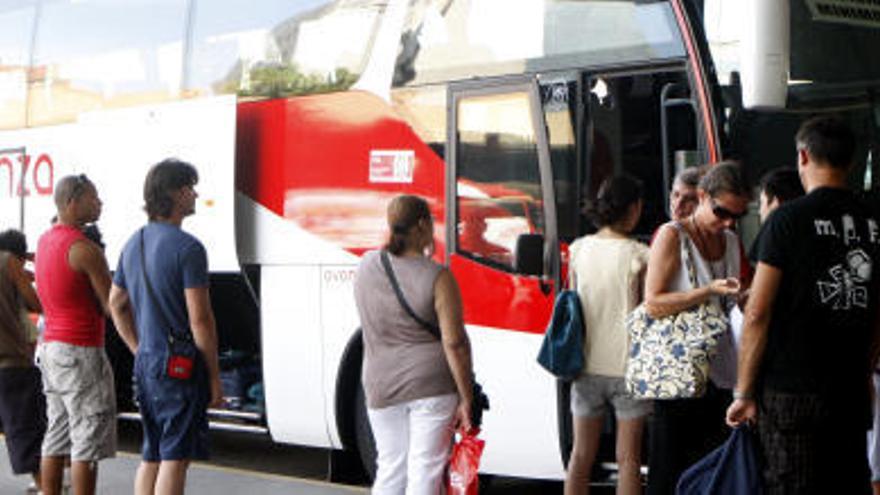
[451,39]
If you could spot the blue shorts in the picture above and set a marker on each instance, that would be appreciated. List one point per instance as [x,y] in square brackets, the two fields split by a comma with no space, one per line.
[174,413]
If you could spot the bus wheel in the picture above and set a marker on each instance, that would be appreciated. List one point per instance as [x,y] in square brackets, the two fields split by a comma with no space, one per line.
[366,445]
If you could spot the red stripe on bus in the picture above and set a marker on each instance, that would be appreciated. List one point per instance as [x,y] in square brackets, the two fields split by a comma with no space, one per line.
[700,76]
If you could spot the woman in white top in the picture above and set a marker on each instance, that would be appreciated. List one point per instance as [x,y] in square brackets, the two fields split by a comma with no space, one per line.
[684,430]
[607,270]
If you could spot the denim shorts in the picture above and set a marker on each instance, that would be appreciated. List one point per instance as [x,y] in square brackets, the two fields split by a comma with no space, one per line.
[591,395]
[174,413]
[80,402]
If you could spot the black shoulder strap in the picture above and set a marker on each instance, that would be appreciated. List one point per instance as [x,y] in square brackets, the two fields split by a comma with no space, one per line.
[152,295]
[386,263]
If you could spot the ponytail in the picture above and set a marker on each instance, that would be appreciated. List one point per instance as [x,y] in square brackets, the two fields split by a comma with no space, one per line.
[397,240]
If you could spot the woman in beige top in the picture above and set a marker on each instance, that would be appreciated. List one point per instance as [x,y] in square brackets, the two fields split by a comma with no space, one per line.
[417,383]
[607,270]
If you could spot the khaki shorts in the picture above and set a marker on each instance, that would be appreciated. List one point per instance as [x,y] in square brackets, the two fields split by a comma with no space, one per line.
[591,394]
[80,402]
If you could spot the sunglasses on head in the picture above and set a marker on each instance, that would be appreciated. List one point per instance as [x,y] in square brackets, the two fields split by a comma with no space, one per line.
[81,181]
[79,184]
[724,214]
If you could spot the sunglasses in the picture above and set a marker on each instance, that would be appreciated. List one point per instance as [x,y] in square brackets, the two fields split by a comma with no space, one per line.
[724,214]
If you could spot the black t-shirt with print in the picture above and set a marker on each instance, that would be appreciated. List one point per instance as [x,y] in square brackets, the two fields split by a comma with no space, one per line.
[825,244]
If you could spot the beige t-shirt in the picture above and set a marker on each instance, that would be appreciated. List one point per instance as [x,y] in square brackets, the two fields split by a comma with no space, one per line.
[606,273]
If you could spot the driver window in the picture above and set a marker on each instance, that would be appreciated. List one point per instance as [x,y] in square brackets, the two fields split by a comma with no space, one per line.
[498,187]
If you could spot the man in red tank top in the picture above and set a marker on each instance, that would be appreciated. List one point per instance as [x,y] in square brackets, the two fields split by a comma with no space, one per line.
[73,283]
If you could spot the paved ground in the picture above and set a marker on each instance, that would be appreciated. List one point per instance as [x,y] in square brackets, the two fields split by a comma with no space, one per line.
[246,464]
[115,477]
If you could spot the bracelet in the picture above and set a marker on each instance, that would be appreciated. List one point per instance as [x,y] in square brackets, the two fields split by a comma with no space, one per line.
[737,395]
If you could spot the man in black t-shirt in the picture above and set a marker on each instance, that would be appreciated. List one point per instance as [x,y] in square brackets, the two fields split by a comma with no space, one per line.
[806,351]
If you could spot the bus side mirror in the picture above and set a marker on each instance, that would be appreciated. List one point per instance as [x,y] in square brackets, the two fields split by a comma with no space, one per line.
[529,254]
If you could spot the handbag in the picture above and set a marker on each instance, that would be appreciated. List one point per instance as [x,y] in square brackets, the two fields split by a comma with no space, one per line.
[562,350]
[731,469]
[181,354]
[669,356]
[480,401]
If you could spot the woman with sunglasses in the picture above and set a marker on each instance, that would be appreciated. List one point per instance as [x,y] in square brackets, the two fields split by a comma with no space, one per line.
[684,430]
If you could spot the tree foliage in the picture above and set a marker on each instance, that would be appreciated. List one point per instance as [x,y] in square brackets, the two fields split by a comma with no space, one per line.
[278,80]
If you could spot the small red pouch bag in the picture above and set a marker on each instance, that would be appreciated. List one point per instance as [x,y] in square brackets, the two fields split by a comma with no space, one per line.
[181,357]
[179,367]
[464,463]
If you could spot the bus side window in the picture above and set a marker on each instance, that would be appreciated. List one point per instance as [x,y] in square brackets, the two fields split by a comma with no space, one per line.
[15,23]
[279,48]
[498,189]
[96,55]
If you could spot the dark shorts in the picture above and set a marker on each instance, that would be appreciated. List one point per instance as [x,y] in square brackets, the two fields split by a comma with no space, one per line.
[173,412]
[23,414]
[811,445]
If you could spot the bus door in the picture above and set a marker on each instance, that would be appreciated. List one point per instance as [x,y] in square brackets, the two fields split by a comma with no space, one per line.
[502,249]
[600,123]
[501,223]
[642,123]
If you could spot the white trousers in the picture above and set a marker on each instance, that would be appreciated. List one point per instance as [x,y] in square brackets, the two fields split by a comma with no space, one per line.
[413,441]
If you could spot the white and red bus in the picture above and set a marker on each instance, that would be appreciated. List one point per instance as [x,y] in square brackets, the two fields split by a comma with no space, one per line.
[304,118]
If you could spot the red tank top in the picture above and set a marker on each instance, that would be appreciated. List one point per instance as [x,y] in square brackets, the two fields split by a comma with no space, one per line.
[69,305]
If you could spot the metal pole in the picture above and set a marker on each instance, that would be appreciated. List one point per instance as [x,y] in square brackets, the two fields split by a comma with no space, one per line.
[188,35]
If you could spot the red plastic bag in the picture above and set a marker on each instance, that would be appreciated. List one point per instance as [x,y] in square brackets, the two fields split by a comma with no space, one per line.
[464,464]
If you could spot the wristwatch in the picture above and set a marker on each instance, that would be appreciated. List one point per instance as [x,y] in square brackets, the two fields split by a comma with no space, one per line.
[737,395]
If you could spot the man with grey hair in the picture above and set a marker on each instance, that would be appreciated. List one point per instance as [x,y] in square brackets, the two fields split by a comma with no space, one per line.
[73,283]
[683,196]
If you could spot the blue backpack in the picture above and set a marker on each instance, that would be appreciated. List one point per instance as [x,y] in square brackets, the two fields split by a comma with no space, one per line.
[731,469]
[562,352]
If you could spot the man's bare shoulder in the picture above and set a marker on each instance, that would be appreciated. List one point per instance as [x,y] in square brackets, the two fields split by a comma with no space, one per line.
[85,255]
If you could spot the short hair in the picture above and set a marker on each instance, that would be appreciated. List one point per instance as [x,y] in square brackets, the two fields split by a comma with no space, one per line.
[404,213]
[828,141]
[70,188]
[725,177]
[615,196]
[783,184]
[13,241]
[164,178]
[690,176]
